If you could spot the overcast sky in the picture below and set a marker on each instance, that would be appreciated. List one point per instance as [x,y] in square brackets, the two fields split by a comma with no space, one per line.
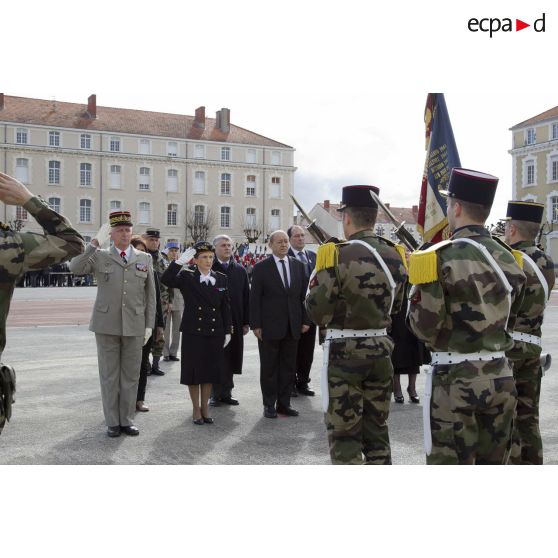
[343,83]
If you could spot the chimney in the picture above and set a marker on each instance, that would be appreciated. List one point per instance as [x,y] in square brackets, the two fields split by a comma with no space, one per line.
[225,120]
[92,106]
[199,119]
[326,204]
[1,101]
[387,205]
[415,211]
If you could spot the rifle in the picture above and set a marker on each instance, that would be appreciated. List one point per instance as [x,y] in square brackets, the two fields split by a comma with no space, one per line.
[400,231]
[317,232]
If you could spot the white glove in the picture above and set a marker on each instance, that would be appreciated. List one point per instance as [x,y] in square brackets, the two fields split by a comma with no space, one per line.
[103,234]
[148,332]
[186,256]
[227,339]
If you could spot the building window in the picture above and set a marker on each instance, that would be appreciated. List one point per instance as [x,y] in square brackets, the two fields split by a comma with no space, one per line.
[554,134]
[144,213]
[199,182]
[554,209]
[199,151]
[85,141]
[530,167]
[84,211]
[172,180]
[225,153]
[54,172]
[250,217]
[54,139]
[21,213]
[225,217]
[22,170]
[22,136]
[275,191]
[85,174]
[144,178]
[275,221]
[54,204]
[531,136]
[251,156]
[115,176]
[554,169]
[172,213]
[145,147]
[115,144]
[115,205]
[172,149]
[225,184]
[251,185]
[275,157]
[199,214]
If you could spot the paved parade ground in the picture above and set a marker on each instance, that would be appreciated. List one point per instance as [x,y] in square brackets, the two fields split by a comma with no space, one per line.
[57,417]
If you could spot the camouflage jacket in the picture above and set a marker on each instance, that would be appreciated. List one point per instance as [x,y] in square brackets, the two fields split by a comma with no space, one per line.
[462,306]
[530,315]
[160,264]
[27,251]
[351,291]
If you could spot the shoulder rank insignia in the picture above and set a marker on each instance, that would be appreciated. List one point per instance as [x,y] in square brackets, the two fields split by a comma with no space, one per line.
[518,255]
[327,256]
[219,272]
[423,264]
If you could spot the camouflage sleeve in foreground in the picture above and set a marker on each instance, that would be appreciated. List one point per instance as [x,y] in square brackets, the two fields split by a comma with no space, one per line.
[60,243]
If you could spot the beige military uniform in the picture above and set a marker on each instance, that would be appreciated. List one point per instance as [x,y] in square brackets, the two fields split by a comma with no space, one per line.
[124,307]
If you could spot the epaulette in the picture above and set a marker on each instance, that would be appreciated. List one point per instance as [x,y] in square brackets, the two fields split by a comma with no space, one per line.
[191,269]
[327,256]
[219,272]
[517,254]
[423,264]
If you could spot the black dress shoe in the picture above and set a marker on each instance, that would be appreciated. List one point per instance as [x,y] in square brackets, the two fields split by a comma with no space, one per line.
[305,390]
[130,430]
[157,372]
[172,357]
[214,402]
[113,431]
[207,420]
[294,392]
[198,421]
[289,411]
[269,411]
[229,400]
[413,398]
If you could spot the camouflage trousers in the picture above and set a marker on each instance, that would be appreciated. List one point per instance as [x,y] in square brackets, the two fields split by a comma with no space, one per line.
[158,346]
[356,419]
[471,419]
[527,446]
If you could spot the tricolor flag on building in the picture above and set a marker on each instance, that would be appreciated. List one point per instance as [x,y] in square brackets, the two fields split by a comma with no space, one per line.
[441,157]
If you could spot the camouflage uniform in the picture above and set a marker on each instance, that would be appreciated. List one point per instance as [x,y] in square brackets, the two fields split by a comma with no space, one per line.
[462,308]
[26,251]
[355,294]
[160,264]
[525,358]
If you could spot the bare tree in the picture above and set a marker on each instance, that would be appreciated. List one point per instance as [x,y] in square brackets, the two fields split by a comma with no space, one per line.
[198,224]
[252,229]
[16,224]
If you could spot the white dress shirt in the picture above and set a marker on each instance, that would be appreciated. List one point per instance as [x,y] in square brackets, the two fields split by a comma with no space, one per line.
[280,268]
[207,279]
[128,252]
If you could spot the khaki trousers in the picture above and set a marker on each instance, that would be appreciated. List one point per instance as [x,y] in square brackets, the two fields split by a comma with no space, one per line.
[119,367]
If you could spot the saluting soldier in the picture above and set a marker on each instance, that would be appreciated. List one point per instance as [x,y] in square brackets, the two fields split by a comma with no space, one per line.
[466,295]
[27,251]
[523,222]
[356,287]
[122,319]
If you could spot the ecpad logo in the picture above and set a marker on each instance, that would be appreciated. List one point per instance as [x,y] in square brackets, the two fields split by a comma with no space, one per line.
[494,24]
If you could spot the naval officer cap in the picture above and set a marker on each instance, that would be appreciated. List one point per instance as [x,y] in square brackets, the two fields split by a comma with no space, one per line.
[153,233]
[525,211]
[118,218]
[358,196]
[471,186]
[203,246]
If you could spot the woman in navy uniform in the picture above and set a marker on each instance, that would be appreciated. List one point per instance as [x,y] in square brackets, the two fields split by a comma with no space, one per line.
[206,324]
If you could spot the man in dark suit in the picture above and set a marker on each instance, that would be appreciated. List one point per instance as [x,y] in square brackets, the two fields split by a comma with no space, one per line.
[305,351]
[277,317]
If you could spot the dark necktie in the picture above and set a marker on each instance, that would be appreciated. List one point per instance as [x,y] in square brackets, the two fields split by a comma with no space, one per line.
[285,280]
[123,256]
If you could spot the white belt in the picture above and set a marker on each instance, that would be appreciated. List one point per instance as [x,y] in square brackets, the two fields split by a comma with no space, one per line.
[533,339]
[333,334]
[456,358]
[349,333]
[446,358]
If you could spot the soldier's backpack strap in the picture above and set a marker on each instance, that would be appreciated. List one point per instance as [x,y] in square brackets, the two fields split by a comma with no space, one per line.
[492,262]
[538,273]
[423,264]
[383,265]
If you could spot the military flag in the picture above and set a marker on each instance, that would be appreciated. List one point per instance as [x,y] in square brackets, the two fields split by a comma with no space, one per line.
[441,157]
